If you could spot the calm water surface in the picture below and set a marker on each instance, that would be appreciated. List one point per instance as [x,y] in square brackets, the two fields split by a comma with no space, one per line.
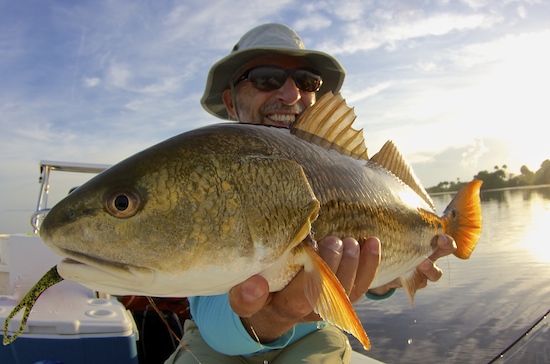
[483,305]
[480,307]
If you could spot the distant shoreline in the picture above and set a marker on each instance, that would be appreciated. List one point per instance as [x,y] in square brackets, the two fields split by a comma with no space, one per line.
[530,187]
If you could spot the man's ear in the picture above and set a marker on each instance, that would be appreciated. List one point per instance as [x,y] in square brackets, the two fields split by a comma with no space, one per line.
[229,104]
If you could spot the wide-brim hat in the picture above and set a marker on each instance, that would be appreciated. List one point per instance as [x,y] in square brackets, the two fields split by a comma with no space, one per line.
[267,40]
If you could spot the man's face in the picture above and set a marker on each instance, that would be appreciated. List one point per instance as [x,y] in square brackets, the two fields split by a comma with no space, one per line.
[279,107]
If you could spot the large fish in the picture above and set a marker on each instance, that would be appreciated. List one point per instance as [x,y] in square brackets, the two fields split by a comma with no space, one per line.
[207,209]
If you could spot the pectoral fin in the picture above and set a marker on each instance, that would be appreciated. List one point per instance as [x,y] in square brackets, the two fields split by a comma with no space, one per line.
[328,298]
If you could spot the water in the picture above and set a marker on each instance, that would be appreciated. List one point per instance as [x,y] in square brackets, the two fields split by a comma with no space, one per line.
[481,305]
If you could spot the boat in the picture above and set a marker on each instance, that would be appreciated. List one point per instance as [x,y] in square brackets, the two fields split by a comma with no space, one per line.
[71,323]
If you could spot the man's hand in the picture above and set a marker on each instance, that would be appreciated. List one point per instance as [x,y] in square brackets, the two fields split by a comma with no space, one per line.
[273,314]
[431,272]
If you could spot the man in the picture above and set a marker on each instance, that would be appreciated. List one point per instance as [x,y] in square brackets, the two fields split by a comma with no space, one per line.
[269,79]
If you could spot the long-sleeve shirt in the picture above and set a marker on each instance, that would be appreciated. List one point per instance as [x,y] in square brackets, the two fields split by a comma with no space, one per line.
[223,330]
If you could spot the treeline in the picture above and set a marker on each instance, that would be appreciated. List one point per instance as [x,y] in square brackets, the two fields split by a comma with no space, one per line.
[499,178]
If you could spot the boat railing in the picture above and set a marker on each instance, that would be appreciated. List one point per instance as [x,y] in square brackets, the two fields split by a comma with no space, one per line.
[46,167]
[36,217]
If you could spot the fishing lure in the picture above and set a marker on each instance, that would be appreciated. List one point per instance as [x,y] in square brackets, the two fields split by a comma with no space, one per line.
[49,279]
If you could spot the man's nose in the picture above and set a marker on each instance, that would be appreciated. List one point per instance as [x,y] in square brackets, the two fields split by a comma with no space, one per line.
[289,93]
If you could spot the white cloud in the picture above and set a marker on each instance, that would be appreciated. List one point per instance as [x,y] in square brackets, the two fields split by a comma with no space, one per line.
[522,12]
[91,81]
[350,11]
[318,23]
[474,153]
[394,29]
[509,47]
[355,97]
[428,66]
[456,71]
[119,75]
[476,4]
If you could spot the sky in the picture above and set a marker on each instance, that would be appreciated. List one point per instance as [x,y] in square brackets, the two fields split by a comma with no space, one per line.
[459,86]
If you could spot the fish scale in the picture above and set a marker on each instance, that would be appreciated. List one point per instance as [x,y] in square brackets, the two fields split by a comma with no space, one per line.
[211,207]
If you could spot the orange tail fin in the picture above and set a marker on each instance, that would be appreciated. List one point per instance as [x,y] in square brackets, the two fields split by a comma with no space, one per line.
[328,298]
[462,219]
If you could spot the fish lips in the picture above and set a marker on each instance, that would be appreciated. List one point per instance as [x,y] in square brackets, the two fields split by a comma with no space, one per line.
[102,275]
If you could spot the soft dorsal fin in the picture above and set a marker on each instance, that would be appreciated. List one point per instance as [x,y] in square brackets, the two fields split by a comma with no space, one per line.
[328,124]
[391,158]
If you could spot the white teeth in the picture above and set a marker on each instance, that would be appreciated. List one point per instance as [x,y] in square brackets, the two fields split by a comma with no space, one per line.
[285,118]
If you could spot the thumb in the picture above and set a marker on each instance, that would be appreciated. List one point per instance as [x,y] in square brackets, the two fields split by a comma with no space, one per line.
[250,296]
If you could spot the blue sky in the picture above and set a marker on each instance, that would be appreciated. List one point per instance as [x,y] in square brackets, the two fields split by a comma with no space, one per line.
[459,86]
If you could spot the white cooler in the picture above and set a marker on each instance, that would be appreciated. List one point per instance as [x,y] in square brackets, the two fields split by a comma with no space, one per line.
[68,324]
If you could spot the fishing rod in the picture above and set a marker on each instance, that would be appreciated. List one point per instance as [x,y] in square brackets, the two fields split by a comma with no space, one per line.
[511,346]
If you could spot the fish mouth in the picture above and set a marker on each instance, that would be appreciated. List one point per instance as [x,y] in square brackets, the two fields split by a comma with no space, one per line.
[103,275]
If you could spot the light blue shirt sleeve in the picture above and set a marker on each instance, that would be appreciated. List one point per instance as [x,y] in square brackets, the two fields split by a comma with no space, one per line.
[223,330]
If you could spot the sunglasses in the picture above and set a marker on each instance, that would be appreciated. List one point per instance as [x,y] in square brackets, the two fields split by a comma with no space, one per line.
[271,78]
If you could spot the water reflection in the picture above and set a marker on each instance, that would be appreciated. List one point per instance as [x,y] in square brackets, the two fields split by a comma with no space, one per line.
[481,305]
[499,196]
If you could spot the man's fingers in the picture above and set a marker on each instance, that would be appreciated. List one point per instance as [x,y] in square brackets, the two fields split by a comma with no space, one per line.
[349,262]
[369,260]
[430,270]
[445,246]
[330,250]
[250,296]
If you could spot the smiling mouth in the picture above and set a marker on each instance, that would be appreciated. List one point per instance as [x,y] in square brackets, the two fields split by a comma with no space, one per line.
[282,118]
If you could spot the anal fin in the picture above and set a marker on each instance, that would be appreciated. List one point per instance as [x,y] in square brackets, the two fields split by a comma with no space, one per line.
[328,298]
[410,283]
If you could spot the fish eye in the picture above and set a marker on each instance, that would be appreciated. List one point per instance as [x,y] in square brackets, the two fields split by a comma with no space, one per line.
[123,203]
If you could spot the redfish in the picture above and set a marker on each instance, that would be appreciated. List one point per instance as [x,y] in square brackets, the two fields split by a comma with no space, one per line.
[205,210]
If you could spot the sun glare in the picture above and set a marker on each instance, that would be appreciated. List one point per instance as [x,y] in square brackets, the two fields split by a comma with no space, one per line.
[511,101]
[536,239]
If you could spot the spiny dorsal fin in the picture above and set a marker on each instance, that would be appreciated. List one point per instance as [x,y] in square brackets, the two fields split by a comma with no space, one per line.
[391,158]
[328,124]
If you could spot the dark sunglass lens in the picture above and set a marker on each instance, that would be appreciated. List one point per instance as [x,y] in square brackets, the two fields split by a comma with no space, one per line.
[307,81]
[273,78]
[267,78]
